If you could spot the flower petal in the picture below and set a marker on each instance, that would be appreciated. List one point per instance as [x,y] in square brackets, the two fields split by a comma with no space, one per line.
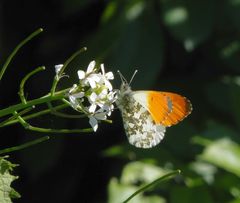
[93,97]
[91,66]
[96,77]
[102,68]
[100,116]
[58,68]
[92,108]
[109,75]
[73,101]
[81,74]
[91,82]
[78,95]
[103,93]
[108,85]
[94,123]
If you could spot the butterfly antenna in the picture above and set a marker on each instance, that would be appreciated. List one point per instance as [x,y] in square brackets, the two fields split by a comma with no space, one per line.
[123,79]
[135,72]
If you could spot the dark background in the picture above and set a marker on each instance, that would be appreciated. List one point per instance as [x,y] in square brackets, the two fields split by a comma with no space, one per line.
[188,47]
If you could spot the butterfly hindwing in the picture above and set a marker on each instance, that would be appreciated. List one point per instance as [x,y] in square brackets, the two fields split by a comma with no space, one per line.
[140,128]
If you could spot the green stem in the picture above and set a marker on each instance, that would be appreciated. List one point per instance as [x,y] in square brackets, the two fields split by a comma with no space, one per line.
[21,90]
[20,45]
[155,182]
[49,130]
[14,117]
[65,131]
[23,146]
[68,61]
[201,141]
[64,115]
[44,99]
[34,115]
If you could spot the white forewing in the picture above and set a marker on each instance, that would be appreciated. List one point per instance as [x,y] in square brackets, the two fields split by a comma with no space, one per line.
[140,97]
[140,128]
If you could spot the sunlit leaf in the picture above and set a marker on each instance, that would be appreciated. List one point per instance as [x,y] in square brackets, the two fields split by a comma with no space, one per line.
[7,193]
[223,153]
[119,192]
[133,176]
[140,172]
[235,201]
[205,170]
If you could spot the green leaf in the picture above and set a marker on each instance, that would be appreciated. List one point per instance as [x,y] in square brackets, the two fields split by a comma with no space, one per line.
[223,153]
[119,192]
[181,194]
[235,201]
[141,172]
[214,92]
[135,175]
[186,22]
[6,178]
[205,170]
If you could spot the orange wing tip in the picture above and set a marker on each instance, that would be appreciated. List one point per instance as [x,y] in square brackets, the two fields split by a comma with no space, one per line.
[168,108]
[176,116]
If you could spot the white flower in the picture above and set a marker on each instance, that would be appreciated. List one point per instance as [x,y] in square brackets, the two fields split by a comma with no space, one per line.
[94,88]
[94,123]
[90,77]
[74,97]
[57,70]
[106,77]
[90,68]
[93,119]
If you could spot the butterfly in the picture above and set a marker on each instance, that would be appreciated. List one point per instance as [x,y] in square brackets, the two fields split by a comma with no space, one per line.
[146,114]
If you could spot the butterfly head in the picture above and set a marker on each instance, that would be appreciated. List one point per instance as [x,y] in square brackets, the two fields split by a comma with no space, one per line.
[125,86]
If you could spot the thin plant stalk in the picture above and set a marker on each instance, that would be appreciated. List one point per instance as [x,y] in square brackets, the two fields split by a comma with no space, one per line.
[19,46]
[153,183]
[23,146]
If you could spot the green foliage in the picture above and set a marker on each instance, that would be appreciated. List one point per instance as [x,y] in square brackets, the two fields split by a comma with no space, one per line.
[223,153]
[134,175]
[186,23]
[182,195]
[7,193]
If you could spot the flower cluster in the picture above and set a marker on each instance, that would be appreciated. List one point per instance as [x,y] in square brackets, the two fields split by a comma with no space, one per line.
[94,94]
